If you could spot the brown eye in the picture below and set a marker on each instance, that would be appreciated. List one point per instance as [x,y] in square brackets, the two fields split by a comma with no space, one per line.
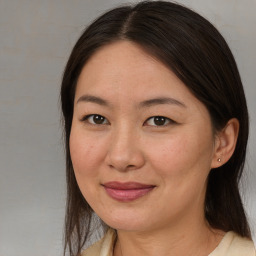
[96,119]
[158,121]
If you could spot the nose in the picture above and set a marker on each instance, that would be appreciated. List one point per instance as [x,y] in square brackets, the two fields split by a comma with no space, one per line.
[125,152]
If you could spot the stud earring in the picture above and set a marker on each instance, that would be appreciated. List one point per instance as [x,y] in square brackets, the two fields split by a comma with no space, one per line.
[219,160]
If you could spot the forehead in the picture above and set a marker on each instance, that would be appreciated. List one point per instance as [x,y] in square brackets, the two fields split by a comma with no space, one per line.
[122,72]
[125,65]
[117,61]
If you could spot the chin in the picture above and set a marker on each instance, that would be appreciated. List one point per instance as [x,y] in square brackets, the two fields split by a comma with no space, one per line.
[127,222]
[128,226]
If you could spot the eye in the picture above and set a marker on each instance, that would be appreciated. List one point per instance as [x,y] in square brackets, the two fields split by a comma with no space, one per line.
[95,119]
[158,121]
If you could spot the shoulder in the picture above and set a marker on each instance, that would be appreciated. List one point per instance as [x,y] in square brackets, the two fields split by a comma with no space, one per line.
[234,245]
[103,247]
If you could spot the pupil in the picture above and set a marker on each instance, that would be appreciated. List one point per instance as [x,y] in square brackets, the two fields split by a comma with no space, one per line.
[159,120]
[98,119]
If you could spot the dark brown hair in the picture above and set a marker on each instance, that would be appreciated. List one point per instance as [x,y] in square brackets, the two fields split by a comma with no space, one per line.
[196,52]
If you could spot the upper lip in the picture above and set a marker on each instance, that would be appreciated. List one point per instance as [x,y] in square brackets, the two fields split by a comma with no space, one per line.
[126,185]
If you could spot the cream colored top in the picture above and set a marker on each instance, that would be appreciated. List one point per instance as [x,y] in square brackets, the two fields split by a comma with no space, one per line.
[231,245]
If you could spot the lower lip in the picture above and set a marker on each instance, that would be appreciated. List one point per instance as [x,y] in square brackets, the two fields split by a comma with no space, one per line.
[127,195]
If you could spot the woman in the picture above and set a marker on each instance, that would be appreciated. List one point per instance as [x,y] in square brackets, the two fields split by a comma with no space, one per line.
[156,129]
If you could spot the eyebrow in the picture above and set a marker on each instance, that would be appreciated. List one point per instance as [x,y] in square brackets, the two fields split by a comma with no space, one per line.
[143,104]
[93,99]
[160,101]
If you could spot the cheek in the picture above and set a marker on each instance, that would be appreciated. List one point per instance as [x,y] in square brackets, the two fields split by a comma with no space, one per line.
[85,154]
[187,154]
[183,165]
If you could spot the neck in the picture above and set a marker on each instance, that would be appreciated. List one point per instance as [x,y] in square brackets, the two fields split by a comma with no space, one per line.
[192,239]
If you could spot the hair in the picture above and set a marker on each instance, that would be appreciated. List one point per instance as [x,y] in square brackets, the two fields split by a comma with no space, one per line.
[192,48]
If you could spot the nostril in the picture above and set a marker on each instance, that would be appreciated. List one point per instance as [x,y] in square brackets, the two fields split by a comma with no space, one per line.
[130,166]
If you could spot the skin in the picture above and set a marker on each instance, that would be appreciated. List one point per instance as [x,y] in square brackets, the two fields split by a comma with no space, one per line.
[128,146]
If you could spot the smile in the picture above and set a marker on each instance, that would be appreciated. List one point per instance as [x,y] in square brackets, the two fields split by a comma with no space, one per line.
[128,191]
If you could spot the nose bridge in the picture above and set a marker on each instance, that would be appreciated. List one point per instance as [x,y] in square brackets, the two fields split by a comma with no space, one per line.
[125,151]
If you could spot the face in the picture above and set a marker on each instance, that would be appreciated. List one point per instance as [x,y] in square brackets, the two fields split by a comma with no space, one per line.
[141,144]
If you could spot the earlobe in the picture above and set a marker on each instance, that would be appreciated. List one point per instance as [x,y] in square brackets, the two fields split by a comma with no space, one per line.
[225,143]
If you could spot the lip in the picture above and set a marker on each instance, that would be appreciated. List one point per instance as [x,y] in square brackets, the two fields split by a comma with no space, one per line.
[127,191]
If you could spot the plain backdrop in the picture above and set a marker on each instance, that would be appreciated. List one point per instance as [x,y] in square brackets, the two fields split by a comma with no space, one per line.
[36,37]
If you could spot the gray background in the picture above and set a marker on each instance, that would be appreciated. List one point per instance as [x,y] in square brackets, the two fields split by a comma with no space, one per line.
[36,37]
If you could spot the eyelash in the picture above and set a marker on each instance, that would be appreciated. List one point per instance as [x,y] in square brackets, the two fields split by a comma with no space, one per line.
[87,117]
[166,120]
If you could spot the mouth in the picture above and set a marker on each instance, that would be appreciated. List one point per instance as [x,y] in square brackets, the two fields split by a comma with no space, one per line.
[128,191]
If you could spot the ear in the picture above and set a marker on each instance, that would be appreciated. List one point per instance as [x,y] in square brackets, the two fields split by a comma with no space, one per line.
[225,143]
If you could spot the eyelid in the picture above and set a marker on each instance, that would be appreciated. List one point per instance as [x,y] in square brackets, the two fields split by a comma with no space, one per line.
[170,121]
[86,117]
